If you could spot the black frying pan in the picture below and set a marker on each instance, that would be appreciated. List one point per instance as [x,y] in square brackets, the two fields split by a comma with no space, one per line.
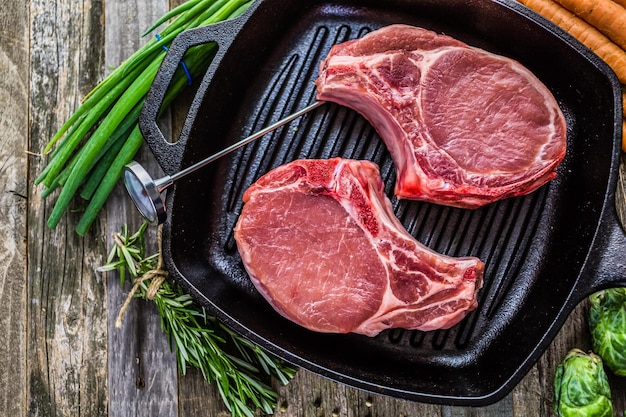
[544,252]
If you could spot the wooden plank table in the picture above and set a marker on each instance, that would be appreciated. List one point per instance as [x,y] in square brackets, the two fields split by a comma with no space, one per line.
[60,353]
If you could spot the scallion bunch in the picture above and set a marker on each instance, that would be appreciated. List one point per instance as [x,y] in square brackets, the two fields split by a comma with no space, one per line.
[90,150]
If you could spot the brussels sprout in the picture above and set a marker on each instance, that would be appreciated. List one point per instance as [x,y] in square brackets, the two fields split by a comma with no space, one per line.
[581,387]
[607,322]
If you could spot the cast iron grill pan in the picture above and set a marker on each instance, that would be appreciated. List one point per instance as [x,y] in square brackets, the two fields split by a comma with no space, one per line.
[544,252]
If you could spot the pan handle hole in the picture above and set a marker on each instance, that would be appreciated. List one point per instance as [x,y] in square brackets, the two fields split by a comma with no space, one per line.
[176,106]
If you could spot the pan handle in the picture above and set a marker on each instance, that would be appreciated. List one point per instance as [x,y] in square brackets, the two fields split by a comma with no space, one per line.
[169,154]
[606,263]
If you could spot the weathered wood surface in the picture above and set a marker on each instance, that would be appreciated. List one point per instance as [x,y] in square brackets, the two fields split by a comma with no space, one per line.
[60,353]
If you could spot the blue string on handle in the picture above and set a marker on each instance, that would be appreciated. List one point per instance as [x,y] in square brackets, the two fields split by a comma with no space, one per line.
[182,63]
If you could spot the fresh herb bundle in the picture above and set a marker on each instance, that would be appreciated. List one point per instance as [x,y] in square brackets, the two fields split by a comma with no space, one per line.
[236,365]
[88,153]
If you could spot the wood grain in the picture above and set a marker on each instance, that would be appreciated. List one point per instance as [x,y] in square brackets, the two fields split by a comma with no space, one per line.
[143,376]
[66,342]
[14,61]
[60,353]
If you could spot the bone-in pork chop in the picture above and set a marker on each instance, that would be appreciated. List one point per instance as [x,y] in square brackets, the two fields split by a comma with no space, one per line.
[464,127]
[321,243]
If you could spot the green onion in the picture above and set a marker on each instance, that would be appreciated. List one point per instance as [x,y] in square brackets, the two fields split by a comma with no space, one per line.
[88,153]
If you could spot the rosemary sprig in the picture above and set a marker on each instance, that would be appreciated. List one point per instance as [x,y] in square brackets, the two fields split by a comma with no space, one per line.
[237,366]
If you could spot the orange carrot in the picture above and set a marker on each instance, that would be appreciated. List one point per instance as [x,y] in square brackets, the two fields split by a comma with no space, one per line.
[621,2]
[589,36]
[605,15]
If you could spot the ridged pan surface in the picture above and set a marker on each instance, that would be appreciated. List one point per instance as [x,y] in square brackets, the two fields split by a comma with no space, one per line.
[534,247]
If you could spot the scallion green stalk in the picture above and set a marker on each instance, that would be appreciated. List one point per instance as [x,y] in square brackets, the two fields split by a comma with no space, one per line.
[85,148]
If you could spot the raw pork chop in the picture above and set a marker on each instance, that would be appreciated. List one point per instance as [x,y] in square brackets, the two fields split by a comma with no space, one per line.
[320,241]
[464,127]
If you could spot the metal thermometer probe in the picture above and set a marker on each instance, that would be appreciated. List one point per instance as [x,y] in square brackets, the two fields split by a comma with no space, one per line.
[145,191]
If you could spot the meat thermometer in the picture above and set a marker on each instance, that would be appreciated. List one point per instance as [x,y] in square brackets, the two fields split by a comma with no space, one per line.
[145,192]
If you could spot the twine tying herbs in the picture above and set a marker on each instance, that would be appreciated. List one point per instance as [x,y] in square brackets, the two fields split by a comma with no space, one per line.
[157,276]
[197,338]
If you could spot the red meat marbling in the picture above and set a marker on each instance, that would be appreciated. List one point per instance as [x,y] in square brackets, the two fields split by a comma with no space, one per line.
[321,243]
[464,127]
